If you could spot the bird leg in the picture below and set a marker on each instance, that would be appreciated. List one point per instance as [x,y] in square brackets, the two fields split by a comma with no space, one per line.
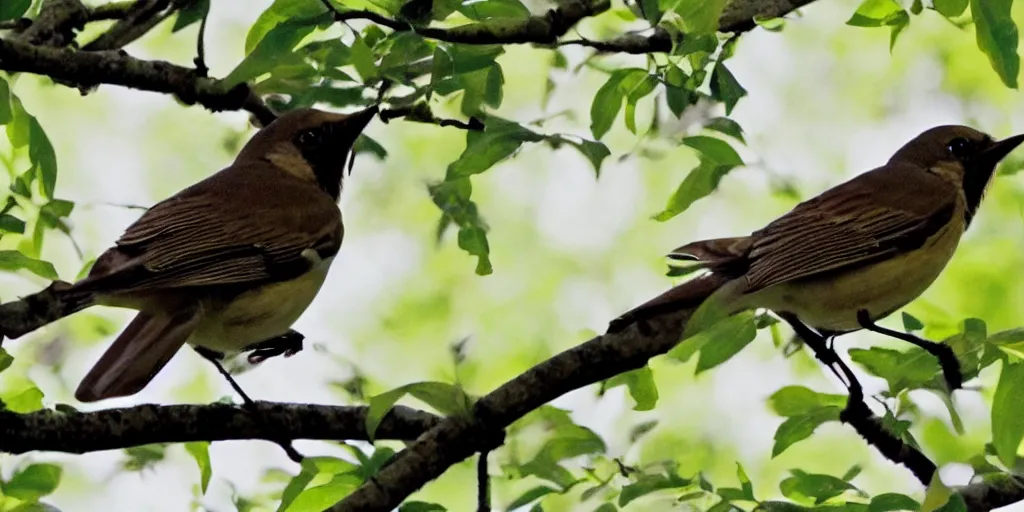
[828,356]
[215,357]
[944,353]
[287,344]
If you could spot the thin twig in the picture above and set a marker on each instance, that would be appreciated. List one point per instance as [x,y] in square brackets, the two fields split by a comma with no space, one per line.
[200,60]
[483,498]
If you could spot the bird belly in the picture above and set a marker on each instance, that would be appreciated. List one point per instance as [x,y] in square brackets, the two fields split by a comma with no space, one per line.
[257,314]
[831,302]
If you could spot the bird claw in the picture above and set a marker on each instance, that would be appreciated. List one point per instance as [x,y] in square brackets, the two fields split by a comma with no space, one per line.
[286,345]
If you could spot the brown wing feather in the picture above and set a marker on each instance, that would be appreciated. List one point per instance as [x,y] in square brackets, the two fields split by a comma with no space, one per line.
[865,219]
[212,233]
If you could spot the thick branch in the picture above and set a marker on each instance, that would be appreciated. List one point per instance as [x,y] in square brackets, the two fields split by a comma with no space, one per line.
[82,432]
[457,438]
[118,68]
[542,29]
[56,23]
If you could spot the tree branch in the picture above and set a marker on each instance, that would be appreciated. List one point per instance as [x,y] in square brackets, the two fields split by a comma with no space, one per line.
[119,68]
[542,29]
[456,438]
[83,432]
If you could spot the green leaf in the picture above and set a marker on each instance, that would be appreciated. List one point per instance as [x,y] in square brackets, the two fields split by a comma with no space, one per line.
[24,401]
[44,160]
[33,482]
[950,8]
[605,106]
[14,260]
[453,198]
[323,497]
[280,41]
[596,152]
[997,37]
[726,126]
[739,332]
[698,16]
[421,506]
[11,224]
[813,486]
[677,94]
[716,151]
[531,496]
[569,441]
[702,181]
[647,484]
[1007,420]
[725,88]
[498,141]
[878,13]
[635,86]
[194,11]
[11,9]
[311,468]
[363,59]
[793,401]
[200,451]
[5,360]
[651,10]
[936,495]
[799,427]
[448,399]
[893,501]
[641,386]
[6,115]
[280,11]
[912,369]
[910,323]
[745,486]
[489,9]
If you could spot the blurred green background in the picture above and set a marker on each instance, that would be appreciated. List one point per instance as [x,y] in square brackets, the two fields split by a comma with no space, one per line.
[570,251]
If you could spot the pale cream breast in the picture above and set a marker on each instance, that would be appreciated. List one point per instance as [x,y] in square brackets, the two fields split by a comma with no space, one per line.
[258,314]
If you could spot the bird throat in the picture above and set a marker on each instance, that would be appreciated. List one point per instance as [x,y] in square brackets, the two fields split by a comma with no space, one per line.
[974,184]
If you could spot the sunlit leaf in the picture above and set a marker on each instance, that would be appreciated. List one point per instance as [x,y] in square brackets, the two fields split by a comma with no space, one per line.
[605,106]
[487,9]
[997,37]
[280,11]
[641,386]
[815,487]
[890,502]
[498,141]
[798,400]
[23,401]
[311,468]
[699,16]
[453,198]
[278,42]
[531,496]
[727,343]
[448,399]
[14,260]
[33,482]
[798,427]
[323,497]
[647,484]
[144,456]
[950,8]
[902,370]
[877,13]
[200,451]
[1007,420]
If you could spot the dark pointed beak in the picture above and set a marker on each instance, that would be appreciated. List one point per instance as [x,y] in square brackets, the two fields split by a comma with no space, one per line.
[992,155]
[347,130]
[359,120]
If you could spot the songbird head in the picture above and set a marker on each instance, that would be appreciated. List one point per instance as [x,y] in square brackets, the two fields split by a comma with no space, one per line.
[961,155]
[311,144]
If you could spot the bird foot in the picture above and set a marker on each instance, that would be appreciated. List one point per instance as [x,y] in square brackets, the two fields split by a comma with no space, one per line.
[287,345]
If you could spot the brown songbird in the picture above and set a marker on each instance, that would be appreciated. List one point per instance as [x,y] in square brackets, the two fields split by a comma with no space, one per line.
[225,264]
[856,253]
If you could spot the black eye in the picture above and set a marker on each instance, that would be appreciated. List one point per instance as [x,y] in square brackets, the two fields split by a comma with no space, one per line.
[310,139]
[959,147]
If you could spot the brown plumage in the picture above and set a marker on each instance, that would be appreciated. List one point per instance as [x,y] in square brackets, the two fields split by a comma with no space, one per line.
[228,262]
[874,243]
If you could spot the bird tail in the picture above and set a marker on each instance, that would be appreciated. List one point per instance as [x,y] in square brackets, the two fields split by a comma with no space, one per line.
[27,314]
[135,357]
[688,295]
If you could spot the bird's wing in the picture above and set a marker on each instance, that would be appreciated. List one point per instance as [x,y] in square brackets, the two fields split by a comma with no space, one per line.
[247,224]
[883,212]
